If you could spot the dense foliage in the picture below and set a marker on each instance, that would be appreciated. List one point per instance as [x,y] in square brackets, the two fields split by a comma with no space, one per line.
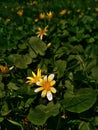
[60,38]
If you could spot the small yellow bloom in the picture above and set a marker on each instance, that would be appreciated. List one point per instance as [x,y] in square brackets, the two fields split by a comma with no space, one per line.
[42,15]
[41,32]
[69,12]
[63,12]
[35,78]
[49,15]
[89,8]
[46,86]
[8,20]
[49,44]
[20,12]
[36,20]
[35,3]
[78,10]
[4,69]
[96,9]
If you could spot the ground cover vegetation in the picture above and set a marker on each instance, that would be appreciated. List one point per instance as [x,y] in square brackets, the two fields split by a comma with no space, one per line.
[49,65]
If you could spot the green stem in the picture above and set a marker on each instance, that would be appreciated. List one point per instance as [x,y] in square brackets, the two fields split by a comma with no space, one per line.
[58,123]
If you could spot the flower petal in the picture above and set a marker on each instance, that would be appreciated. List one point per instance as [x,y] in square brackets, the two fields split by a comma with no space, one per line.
[52,82]
[30,78]
[50,77]
[53,90]
[41,37]
[39,72]
[44,92]
[34,75]
[45,77]
[38,89]
[49,96]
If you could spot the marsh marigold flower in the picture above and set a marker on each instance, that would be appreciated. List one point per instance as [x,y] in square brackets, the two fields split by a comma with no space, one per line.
[4,69]
[63,12]
[96,9]
[49,15]
[42,15]
[41,32]
[20,12]
[46,86]
[35,78]
[36,20]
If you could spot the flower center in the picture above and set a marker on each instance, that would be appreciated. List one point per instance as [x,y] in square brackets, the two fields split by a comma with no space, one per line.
[46,85]
[36,79]
[42,32]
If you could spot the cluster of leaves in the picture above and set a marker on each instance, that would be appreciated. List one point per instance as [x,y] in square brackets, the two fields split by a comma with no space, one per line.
[72,57]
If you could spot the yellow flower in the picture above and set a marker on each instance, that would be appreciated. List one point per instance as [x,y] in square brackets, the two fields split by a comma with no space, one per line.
[63,12]
[20,12]
[50,15]
[4,69]
[41,32]
[36,20]
[69,12]
[78,10]
[35,78]
[42,15]
[8,20]
[49,44]
[46,86]
[96,9]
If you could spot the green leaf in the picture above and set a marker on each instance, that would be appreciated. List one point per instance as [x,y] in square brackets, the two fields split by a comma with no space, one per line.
[84,126]
[95,72]
[20,61]
[15,123]
[37,116]
[29,101]
[5,110]
[60,66]
[69,85]
[91,51]
[41,113]
[2,92]
[1,119]
[37,45]
[12,86]
[96,121]
[79,101]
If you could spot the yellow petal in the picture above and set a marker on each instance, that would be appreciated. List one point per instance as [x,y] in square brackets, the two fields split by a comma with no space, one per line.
[52,82]
[30,78]
[39,72]
[38,89]
[34,75]
[53,90]
[45,78]
[44,92]
[50,77]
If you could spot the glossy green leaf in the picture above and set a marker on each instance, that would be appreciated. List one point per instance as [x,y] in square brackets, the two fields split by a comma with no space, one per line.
[29,101]
[37,45]
[84,126]
[79,101]
[12,86]
[1,119]
[15,123]
[20,61]
[5,110]
[41,113]
[60,67]
[95,72]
